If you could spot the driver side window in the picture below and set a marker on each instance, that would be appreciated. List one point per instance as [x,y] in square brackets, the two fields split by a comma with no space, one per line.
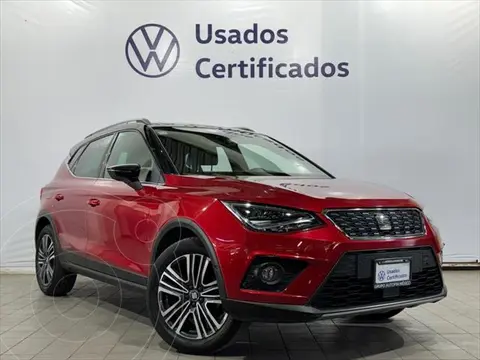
[130,148]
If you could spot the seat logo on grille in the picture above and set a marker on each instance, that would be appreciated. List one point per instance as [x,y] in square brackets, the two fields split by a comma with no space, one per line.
[383,222]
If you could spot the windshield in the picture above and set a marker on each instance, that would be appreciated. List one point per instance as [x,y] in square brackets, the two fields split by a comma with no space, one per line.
[232,152]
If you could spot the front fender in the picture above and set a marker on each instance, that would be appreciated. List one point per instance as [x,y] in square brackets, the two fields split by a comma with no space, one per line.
[186,223]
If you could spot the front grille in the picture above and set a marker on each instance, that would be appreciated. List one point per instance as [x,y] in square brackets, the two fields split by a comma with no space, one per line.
[378,223]
[351,282]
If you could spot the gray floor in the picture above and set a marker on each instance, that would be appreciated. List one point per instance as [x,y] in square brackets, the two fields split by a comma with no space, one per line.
[98,322]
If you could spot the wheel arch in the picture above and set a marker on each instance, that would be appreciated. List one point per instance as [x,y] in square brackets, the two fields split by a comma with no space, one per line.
[188,227]
[45,219]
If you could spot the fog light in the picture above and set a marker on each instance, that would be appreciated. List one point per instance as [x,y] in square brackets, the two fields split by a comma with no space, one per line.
[270,273]
[278,273]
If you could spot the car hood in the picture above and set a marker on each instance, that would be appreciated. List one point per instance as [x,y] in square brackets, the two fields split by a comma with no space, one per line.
[304,192]
[329,188]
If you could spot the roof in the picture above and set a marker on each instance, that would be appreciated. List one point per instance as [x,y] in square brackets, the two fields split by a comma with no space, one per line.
[136,123]
[129,123]
[121,124]
[201,126]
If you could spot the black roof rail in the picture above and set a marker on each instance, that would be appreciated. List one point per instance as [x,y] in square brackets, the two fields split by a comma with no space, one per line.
[141,121]
[202,126]
[244,128]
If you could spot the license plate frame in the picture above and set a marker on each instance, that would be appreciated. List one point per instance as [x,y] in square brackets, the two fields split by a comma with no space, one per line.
[392,272]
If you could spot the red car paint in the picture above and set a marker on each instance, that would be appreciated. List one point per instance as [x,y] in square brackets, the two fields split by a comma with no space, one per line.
[111,222]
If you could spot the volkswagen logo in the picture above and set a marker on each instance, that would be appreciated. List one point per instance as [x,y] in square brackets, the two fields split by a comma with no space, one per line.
[383,222]
[152,50]
[381,275]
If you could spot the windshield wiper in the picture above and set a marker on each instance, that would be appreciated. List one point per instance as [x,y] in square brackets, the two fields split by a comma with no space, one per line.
[277,173]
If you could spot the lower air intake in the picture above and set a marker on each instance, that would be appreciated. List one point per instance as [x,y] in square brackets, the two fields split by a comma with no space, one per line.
[351,282]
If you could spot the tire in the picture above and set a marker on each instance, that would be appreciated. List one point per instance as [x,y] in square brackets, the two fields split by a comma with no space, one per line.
[380,316]
[186,311]
[52,279]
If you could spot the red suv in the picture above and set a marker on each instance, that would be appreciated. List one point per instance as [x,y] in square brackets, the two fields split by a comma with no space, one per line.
[225,225]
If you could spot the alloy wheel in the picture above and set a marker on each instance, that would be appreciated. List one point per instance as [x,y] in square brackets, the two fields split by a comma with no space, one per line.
[189,298]
[46,260]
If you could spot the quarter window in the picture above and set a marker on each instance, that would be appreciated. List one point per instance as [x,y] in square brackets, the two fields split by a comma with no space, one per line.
[130,148]
[74,158]
[90,161]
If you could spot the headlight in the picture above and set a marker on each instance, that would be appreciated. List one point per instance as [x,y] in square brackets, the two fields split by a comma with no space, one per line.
[272,218]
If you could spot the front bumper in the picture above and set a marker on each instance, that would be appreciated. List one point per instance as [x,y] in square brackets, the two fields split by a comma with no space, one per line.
[280,313]
[348,290]
[320,250]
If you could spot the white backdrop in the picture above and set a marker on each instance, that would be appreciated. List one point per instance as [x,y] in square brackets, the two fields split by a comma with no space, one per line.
[407,114]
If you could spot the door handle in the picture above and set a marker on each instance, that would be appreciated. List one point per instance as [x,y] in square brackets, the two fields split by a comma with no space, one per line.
[93,202]
[59,197]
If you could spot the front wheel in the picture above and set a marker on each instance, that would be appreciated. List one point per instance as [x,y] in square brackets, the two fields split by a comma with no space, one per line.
[184,300]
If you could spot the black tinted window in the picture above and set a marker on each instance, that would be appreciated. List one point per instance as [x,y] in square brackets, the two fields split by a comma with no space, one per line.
[74,158]
[131,148]
[232,152]
[90,162]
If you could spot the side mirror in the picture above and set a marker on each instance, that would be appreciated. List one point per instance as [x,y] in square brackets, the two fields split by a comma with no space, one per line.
[128,173]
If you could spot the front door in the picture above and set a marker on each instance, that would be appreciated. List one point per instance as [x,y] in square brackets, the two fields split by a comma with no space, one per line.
[122,222]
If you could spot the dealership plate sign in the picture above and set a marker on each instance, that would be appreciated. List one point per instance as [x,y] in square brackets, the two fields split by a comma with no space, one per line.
[392,273]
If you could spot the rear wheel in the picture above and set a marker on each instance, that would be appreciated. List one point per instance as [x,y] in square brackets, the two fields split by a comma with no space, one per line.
[184,300]
[380,316]
[52,279]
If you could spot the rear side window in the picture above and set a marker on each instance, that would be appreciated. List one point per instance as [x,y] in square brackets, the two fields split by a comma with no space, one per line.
[90,161]
[74,158]
[131,148]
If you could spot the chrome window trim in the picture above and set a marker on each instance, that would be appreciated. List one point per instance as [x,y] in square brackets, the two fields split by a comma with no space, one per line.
[412,236]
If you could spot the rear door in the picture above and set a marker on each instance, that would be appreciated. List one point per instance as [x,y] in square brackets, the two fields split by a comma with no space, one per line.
[72,199]
[124,222]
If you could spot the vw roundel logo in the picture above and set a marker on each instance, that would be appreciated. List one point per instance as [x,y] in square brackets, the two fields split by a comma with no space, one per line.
[381,275]
[152,50]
